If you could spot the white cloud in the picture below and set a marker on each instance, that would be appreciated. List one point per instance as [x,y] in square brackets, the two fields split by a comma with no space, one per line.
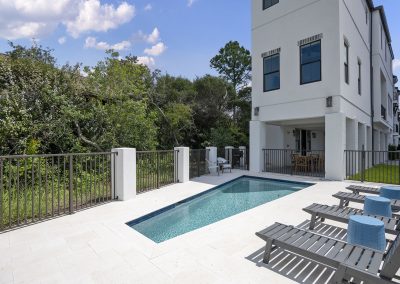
[146,60]
[191,2]
[100,18]
[62,40]
[91,42]
[38,18]
[152,38]
[148,7]
[156,50]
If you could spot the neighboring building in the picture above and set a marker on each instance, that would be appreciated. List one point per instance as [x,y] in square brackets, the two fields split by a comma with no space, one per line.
[312,81]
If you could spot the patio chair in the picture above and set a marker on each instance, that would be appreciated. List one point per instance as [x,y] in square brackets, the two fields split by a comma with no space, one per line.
[350,261]
[301,162]
[363,189]
[212,165]
[335,213]
[224,164]
[346,197]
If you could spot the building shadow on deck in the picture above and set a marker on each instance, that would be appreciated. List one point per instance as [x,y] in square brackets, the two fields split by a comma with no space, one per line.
[298,268]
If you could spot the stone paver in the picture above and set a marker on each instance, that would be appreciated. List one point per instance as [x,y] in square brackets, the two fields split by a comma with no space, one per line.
[95,246]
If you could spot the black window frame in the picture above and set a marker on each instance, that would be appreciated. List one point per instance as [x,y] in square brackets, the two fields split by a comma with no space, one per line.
[266,6]
[320,63]
[359,77]
[346,64]
[272,72]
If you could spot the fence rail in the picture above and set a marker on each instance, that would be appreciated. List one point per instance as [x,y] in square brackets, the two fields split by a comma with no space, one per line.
[291,162]
[198,162]
[38,187]
[155,169]
[373,166]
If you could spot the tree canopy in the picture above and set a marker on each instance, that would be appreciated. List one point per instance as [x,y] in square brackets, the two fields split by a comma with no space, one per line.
[45,108]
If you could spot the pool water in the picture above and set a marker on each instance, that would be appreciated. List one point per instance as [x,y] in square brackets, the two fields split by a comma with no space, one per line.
[211,206]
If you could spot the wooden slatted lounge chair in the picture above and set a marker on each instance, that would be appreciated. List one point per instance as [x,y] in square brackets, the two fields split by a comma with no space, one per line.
[342,214]
[363,189]
[348,260]
[346,197]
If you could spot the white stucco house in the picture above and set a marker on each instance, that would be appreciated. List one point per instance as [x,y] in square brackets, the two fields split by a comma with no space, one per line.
[322,79]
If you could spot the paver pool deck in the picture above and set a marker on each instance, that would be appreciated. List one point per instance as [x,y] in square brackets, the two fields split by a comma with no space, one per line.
[95,245]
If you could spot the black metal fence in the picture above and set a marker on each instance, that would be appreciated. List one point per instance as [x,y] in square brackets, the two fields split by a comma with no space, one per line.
[38,187]
[292,162]
[240,159]
[155,169]
[373,166]
[198,165]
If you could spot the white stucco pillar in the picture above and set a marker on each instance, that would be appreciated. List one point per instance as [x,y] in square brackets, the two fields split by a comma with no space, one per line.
[183,164]
[362,136]
[212,153]
[125,173]
[258,142]
[243,159]
[351,134]
[335,141]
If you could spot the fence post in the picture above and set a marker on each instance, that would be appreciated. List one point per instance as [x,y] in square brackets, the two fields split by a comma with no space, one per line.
[363,167]
[124,173]
[212,158]
[71,185]
[183,164]
[158,169]
[228,154]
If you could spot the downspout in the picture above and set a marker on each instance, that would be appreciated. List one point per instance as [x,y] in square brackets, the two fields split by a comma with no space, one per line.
[372,90]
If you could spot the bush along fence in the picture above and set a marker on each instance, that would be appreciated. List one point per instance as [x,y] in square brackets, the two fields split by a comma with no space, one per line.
[38,187]
[373,166]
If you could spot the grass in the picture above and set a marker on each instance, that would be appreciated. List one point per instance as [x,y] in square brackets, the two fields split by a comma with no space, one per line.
[34,190]
[380,174]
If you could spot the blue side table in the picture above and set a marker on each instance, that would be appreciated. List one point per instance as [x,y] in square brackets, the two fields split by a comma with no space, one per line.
[376,205]
[366,231]
[391,192]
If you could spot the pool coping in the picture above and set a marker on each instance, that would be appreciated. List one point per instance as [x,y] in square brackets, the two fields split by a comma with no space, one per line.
[174,205]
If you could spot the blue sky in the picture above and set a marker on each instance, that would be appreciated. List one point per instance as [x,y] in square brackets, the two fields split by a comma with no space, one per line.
[177,36]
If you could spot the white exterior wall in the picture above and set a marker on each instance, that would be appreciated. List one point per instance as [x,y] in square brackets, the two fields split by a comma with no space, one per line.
[282,26]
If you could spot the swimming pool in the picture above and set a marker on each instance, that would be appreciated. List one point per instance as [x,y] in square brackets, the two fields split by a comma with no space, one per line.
[211,206]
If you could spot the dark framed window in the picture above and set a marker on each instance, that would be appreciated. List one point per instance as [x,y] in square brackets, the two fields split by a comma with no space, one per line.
[346,63]
[269,3]
[359,77]
[310,62]
[272,74]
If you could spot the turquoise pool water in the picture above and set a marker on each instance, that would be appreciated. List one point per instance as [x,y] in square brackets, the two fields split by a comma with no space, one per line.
[211,206]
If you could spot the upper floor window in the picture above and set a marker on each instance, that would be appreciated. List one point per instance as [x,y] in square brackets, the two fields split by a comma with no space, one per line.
[359,77]
[272,80]
[390,106]
[366,15]
[310,62]
[269,3]
[346,62]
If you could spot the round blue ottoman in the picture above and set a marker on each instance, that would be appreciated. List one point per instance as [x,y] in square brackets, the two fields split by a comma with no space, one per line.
[366,231]
[391,192]
[376,205]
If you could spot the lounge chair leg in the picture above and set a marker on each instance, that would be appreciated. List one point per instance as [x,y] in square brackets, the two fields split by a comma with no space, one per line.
[267,253]
[313,220]
[341,203]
